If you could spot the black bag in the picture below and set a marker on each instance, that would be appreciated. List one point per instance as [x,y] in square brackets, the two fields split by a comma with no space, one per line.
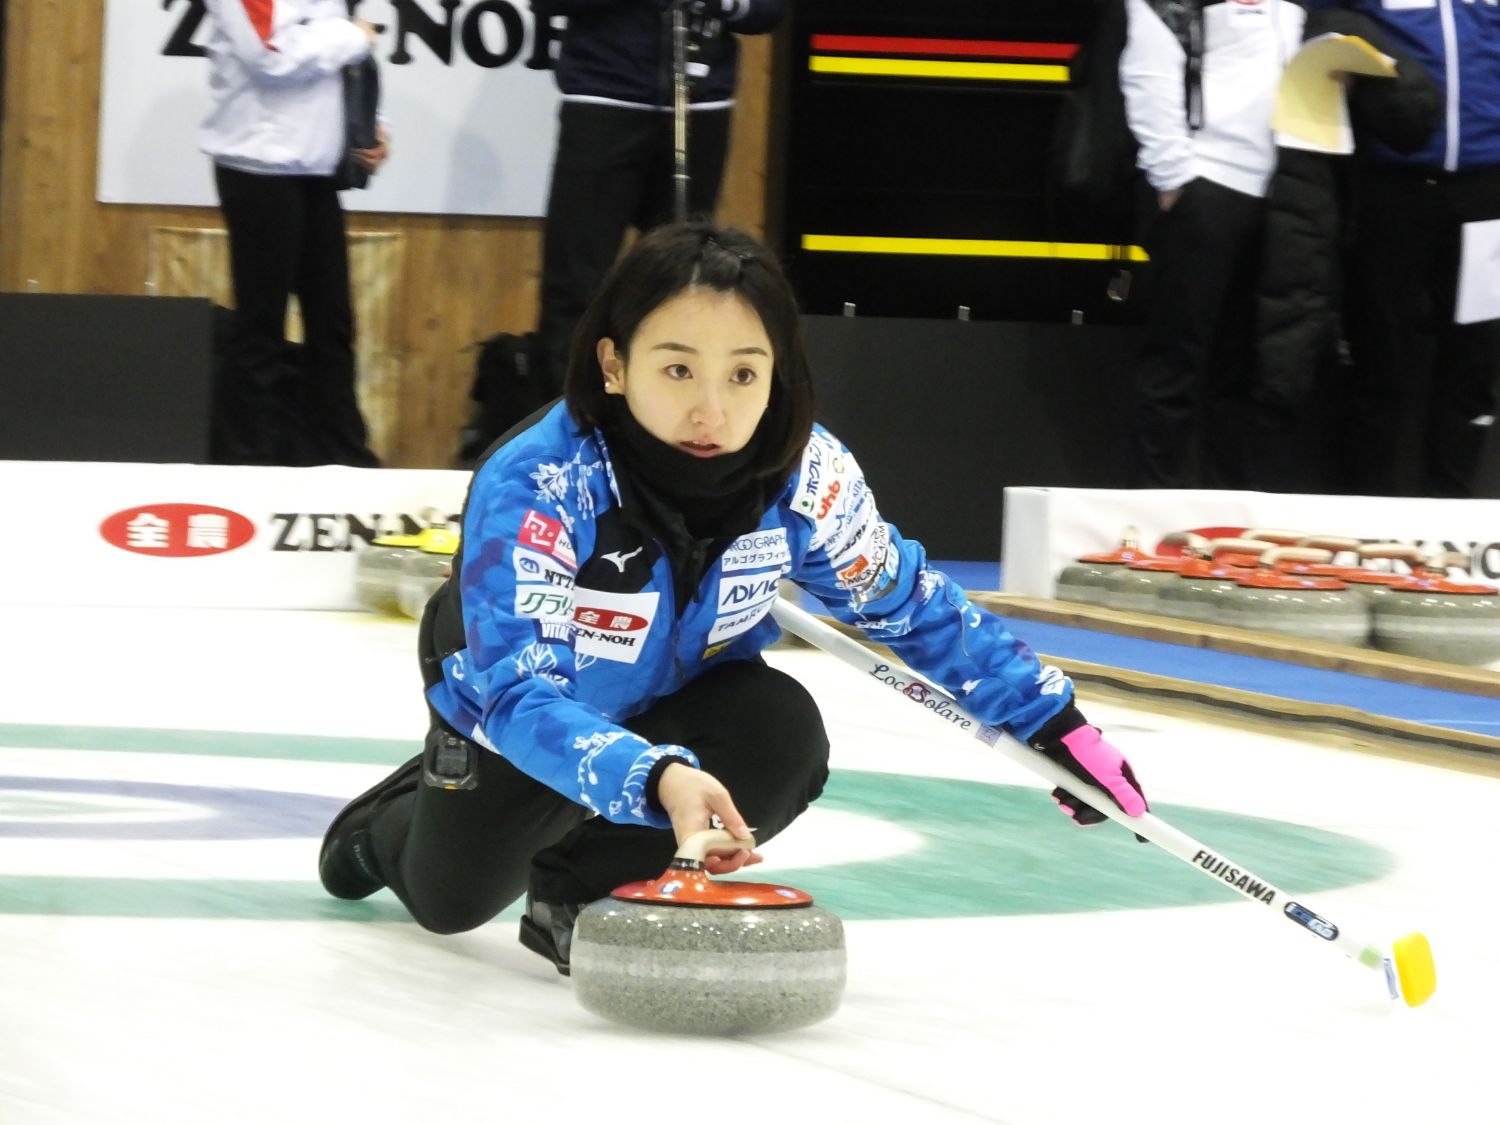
[507,387]
[1093,151]
[361,110]
[1092,162]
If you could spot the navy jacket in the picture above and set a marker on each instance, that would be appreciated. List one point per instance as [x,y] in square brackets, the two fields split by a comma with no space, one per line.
[621,50]
[1458,41]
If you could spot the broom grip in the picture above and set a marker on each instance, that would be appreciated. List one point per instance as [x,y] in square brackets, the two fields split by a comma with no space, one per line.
[1205,860]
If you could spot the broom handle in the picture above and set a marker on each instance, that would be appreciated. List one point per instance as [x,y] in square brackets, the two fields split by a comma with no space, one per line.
[1203,859]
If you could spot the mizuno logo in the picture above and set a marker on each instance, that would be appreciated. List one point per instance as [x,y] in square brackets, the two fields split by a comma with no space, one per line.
[620,560]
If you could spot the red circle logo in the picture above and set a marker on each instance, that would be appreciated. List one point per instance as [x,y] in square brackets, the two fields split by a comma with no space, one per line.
[610,620]
[177,531]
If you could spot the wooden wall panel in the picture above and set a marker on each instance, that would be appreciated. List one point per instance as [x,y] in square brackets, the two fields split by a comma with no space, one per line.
[463,278]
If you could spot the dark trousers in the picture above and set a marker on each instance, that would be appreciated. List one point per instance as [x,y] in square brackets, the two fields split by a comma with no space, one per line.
[613,170]
[279,405]
[1191,412]
[1424,381]
[456,858]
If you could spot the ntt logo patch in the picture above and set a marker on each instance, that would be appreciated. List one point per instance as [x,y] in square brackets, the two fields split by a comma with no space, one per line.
[177,530]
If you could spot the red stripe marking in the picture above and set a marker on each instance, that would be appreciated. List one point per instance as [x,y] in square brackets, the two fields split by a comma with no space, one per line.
[971,48]
[259,12]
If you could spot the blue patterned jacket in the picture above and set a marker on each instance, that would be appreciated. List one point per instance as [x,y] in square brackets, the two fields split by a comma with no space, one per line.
[570,624]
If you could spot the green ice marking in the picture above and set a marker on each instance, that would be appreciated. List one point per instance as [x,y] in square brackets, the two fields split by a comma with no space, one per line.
[210,743]
[986,849]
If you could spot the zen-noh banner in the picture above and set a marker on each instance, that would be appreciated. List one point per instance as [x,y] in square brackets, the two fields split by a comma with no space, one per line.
[466,85]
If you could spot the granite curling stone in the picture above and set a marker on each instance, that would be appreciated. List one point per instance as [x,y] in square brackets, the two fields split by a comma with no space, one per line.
[683,954]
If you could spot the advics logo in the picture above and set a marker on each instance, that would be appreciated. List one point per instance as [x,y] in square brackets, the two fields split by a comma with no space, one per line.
[177,530]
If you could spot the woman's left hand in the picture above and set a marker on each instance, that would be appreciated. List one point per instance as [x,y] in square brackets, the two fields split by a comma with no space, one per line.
[370,159]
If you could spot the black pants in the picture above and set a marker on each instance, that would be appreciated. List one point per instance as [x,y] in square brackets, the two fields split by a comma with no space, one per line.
[613,170]
[1193,376]
[278,405]
[456,858]
[1424,380]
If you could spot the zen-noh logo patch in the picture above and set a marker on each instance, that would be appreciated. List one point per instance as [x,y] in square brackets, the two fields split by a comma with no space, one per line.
[177,531]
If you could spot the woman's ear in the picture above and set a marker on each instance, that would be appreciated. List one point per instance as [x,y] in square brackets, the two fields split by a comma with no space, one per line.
[612,363]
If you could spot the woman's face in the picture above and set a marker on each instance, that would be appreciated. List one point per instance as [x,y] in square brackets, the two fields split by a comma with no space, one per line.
[699,372]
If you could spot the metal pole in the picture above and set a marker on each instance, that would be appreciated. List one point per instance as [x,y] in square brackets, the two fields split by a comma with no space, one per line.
[680,174]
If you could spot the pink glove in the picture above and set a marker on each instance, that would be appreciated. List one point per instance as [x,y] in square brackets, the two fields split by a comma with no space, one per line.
[1068,740]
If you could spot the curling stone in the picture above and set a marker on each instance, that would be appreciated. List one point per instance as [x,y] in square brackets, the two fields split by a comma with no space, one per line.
[1202,582]
[1083,580]
[377,572]
[425,570]
[1133,587]
[1432,617]
[1272,600]
[684,954]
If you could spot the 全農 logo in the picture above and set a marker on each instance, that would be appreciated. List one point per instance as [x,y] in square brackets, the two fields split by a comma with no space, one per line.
[177,530]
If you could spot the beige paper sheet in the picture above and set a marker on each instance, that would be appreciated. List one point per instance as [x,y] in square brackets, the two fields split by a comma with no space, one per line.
[1311,111]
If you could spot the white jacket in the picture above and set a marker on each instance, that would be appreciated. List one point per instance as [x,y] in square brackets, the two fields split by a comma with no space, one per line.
[277,89]
[1246,44]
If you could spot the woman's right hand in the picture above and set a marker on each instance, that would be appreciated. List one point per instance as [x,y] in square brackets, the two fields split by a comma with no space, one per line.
[692,798]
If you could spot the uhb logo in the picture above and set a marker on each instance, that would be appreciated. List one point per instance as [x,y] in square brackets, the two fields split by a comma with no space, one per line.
[177,530]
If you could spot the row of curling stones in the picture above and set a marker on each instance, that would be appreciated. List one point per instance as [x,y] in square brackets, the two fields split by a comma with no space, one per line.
[1130,578]
[1420,613]
[397,574]
[1252,584]
[1245,583]
[1217,582]
[1091,579]
[684,954]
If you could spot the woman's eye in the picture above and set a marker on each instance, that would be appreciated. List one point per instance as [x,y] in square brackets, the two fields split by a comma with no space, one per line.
[679,371]
[745,375]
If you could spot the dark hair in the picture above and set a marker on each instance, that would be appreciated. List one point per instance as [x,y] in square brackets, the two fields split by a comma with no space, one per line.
[661,265]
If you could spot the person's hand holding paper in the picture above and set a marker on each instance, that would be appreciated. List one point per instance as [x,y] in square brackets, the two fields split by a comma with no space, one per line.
[1311,110]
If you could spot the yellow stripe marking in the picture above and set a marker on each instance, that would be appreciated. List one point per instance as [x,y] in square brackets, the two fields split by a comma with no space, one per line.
[974,248]
[930,68]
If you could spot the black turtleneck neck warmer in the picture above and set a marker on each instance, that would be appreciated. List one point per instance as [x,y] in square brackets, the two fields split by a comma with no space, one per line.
[694,505]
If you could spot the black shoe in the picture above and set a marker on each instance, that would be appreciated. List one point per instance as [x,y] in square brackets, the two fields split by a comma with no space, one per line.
[547,928]
[345,865]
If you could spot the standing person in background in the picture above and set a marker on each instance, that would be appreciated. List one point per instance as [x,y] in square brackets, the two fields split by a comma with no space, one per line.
[276,134]
[1426,280]
[1199,81]
[1304,378]
[613,168]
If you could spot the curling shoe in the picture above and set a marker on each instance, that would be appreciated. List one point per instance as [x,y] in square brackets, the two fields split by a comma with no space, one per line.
[346,865]
[547,928]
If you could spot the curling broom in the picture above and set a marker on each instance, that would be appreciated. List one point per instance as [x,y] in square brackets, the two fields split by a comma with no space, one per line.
[1409,971]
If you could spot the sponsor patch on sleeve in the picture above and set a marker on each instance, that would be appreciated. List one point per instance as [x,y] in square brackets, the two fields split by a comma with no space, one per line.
[544,603]
[818,483]
[533,566]
[548,536]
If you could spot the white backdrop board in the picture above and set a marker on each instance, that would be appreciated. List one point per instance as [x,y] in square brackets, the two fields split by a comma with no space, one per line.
[1048,528]
[225,536]
[466,84]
